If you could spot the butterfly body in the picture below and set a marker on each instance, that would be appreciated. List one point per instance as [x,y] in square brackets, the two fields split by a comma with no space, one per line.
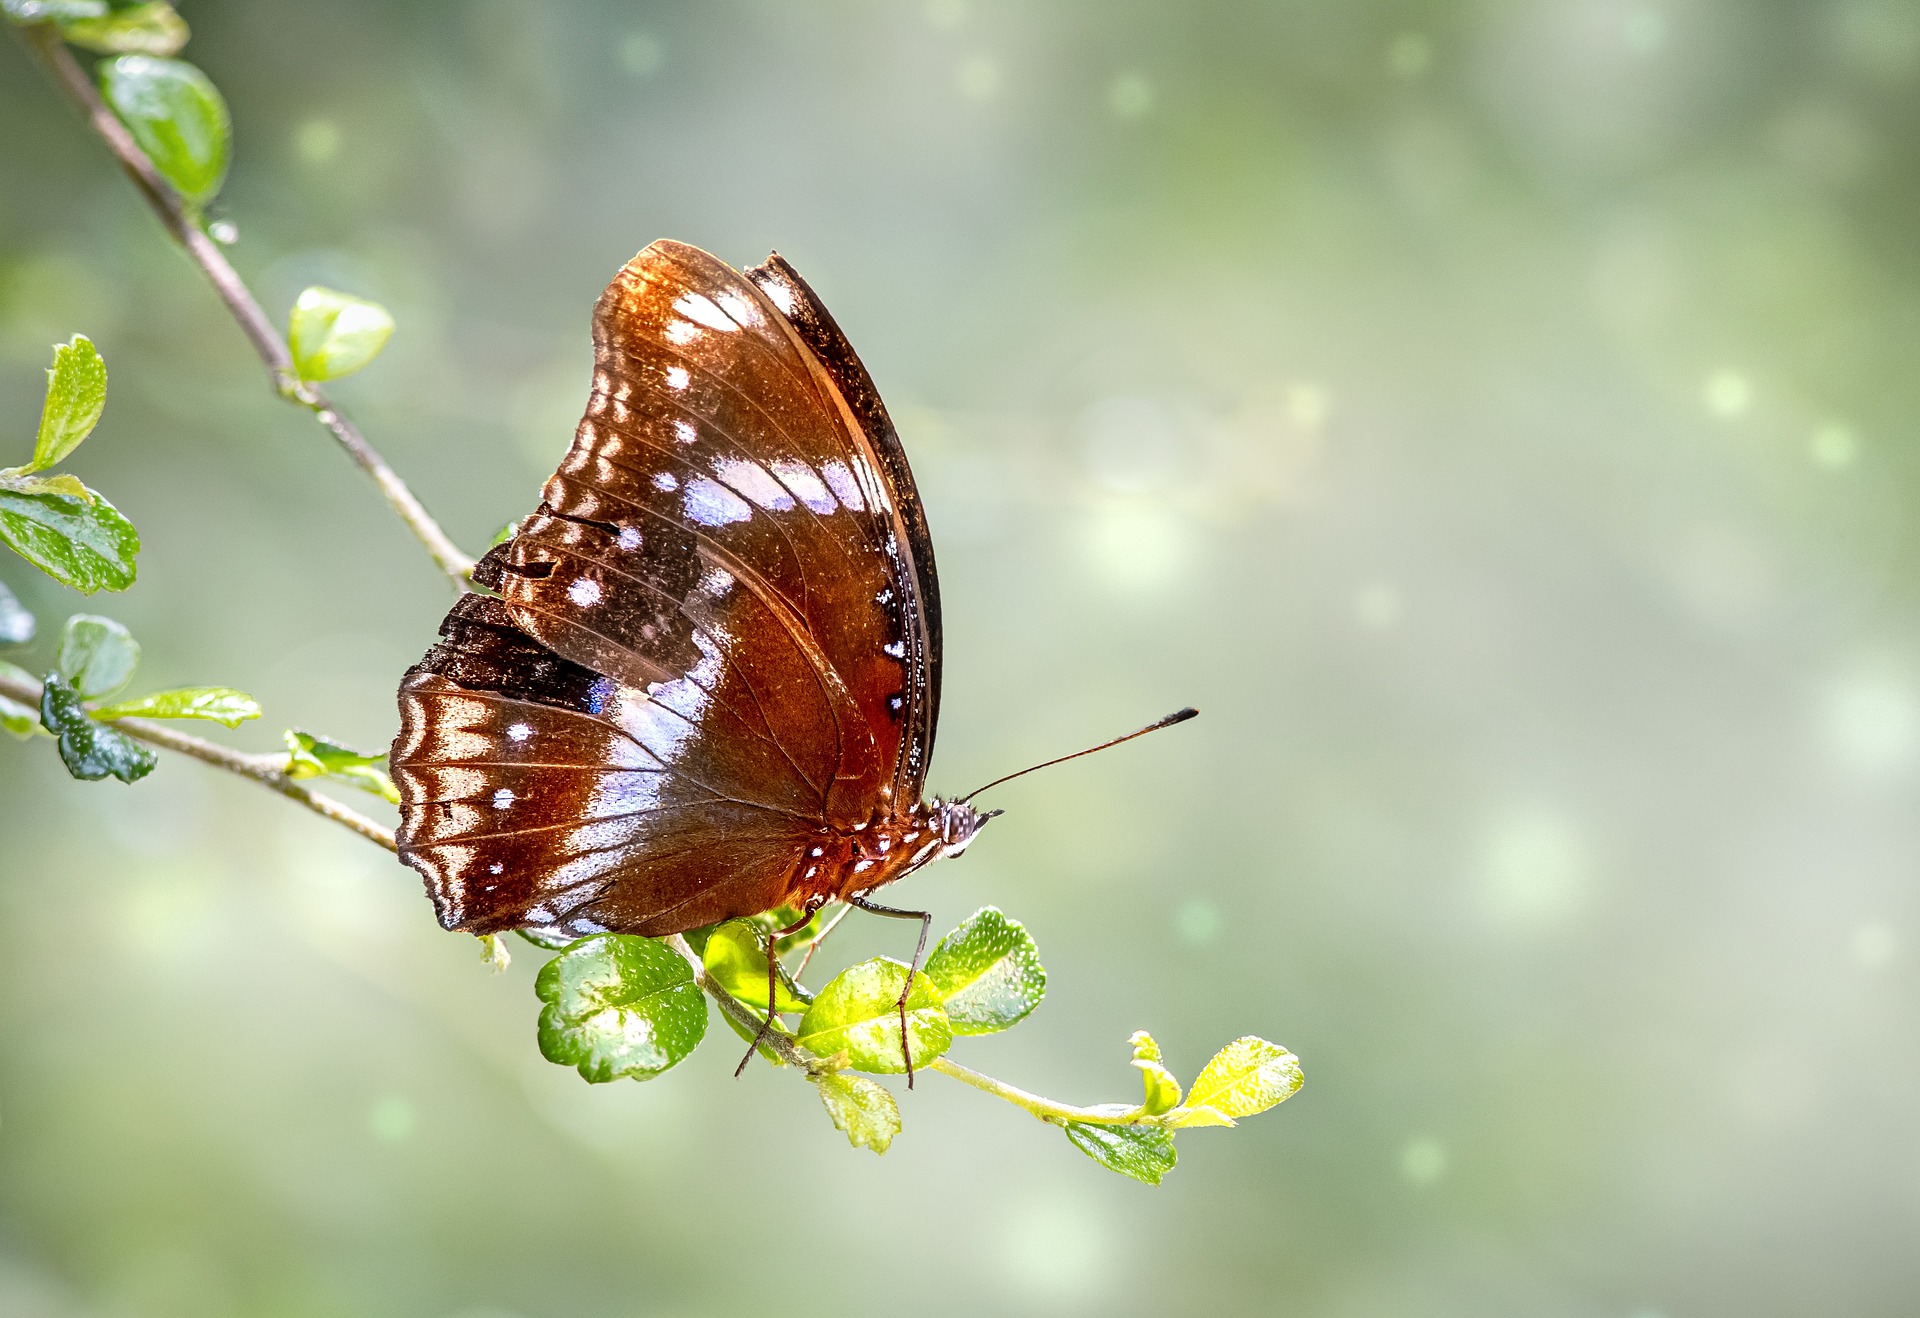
[708,679]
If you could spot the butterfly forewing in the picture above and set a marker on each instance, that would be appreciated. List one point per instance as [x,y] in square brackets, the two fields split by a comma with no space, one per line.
[712,639]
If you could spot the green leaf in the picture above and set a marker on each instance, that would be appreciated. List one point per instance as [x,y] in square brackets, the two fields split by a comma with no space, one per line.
[504,534]
[76,395]
[619,1006]
[736,956]
[91,750]
[97,655]
[310,756]
[864,1110]
[17,626]
[149,29]
[52,11]
[1248,1076]
[1163,1091]
[334,334]
[858,1013]
[216,704]
[751,1035]
[176,115]
[988,972]
[86,545]
[1143,1152]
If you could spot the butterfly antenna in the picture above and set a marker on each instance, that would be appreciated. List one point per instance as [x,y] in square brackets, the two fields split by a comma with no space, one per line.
[1178,716]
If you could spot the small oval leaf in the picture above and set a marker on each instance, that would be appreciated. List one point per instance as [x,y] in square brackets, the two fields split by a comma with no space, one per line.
[619,1005]
[310,756]
[215,704]
[86,545]
[76,395]
[858,1013]
[736,957]
[90,750]
[177,116]
[1162,1090]
[1248,1076]
[334,334]
[865,1111]
[988,973]
[149,29]
[97,655]
[1145,1153]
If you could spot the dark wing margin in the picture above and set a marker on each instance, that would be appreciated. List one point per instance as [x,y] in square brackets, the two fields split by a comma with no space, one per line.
[822,334]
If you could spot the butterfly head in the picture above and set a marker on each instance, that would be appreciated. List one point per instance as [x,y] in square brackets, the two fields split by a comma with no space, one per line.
[957,823]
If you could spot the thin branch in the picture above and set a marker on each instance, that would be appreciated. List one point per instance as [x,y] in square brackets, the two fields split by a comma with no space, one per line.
[183,226]
[742,1015]
[267,770]
[1044,1108]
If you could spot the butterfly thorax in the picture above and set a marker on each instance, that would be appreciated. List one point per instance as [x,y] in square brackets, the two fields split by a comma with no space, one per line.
[843,863]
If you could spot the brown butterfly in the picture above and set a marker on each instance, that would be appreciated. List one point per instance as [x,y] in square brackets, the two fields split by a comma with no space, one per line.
[709,682]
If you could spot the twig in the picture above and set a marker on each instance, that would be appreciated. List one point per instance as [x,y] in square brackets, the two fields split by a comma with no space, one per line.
[1044,1108]
[183,226]
[267,770]
[785,1048]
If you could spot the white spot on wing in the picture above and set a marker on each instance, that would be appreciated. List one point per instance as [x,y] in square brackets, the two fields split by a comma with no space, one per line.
[679,333]
[629,538]
[805,482]
[665,480]
[503,798]
[752,480]
[781,296]
[519,732]
[684,432]
[584,591]
[712,504]
[844,487]
[700,307]
[677,377]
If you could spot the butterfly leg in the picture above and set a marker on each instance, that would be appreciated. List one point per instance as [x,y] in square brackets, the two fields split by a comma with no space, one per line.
[926,923]
[773,989]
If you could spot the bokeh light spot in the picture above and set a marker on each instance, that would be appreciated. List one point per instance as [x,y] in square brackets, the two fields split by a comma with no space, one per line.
[979,78]
[1409,55]
[392,1120]
[1130,96]
[317,141]
[1727,394]
[1199,922]
[1876,945]
[641,54]
[1536,870]
[1057,1250]
[1645,31]
[1377,606]
[1871,722]
[1423,1160]
[1834,447]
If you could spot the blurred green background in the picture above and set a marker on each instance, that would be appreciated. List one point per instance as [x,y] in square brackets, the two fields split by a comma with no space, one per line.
[1496,416]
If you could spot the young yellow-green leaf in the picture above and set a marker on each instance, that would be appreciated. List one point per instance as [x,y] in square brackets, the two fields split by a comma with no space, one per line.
[149,29]
[619,1006]
[309,756]
[97,655]
[17,626]
[52,11]
[216,704]
[17,719]
[858,1013]
[504,534]
[176,115]
[67,486]
[1143,1152]
[736,956]
[1181,1118]
[1163,1091]
[90,750]
[748,1035]
[1249,1075]
[493,953]
[988,973]
[334,334]
[861,1108]
[86,545]
[76,395]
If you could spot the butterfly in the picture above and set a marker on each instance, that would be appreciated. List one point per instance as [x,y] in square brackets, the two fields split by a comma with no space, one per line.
[706,681]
